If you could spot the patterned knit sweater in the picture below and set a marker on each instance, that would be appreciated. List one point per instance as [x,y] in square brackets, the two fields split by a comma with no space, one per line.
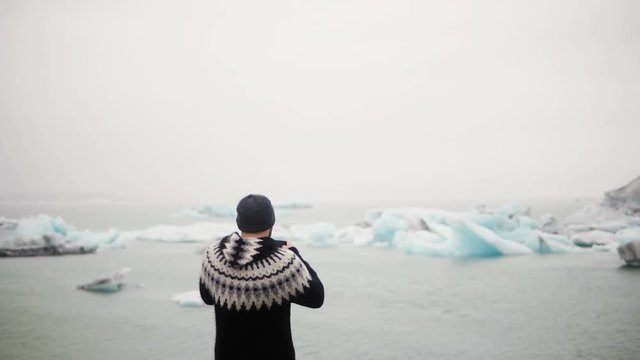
[252,282]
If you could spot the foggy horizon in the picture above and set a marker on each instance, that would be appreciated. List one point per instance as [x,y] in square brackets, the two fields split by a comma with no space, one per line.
[345,101]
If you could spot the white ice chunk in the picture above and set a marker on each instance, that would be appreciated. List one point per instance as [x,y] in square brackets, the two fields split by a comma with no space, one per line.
[424,243]
[355,235]
[628,235]
[188,299]
[317,234]
[198,232]
[107,283]
[595,237]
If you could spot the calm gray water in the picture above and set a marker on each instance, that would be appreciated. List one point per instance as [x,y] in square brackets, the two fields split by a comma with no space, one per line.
[380,304]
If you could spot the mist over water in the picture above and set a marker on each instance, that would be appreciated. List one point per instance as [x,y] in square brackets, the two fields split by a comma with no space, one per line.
[99,216]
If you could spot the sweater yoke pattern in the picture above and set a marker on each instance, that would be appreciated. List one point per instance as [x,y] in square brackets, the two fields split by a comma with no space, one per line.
[249,273]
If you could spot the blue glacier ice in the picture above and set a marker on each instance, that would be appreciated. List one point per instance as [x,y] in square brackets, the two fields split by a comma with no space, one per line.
[354,235]
[43,230]
[481,232]
[317,234]
[386,226]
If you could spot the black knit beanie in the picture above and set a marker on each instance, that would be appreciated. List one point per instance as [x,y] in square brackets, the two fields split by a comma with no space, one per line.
[255,214]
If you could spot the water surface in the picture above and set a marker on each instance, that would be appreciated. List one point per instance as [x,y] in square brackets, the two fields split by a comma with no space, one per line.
[380,304]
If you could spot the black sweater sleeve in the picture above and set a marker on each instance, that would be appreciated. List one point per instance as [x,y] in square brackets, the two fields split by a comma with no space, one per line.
[313,296]
[205,294]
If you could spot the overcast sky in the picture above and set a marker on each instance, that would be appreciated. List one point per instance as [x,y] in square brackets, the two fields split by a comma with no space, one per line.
[323,100]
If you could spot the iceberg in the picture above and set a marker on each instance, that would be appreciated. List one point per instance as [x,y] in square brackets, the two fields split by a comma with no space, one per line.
[423,242]
[43,245]
[481,232]
[108,283]
[628,235]
[315,234]
[197,232]
[487,232]
[549,224]
[460,238]
[386,226]
[594,237]
[47,235]
[188,299]
[475,240]
[626,198]
[619,209]
[612,222]
[7,224]
[630,253]
[355,235]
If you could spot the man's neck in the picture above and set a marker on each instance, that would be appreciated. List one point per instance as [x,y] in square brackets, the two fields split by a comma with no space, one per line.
[266,233]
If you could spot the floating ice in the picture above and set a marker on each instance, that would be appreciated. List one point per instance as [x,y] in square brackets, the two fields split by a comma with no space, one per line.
[630,253]
[188,299]
[208,210]
[628,235]
[475,240]
[355,235]
[292,205]
[620,208]
[482,232]
[198,232]
[217,210]
[8,224]
[460,238]
[423,242]
[44,245]
[47,235]
[316,234]
[386,226]
[614,221]
[594,237]
[108,283]
[549,224]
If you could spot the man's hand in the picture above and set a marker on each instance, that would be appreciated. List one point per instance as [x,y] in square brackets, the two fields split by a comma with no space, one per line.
[288,244]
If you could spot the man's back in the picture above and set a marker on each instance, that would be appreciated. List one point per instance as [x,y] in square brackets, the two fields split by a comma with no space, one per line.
[252,283]
[258,334]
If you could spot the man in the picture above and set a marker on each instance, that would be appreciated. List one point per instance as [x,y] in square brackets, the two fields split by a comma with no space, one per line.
[252,279]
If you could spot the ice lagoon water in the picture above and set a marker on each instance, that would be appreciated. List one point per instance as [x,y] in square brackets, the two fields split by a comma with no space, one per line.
[380,304]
